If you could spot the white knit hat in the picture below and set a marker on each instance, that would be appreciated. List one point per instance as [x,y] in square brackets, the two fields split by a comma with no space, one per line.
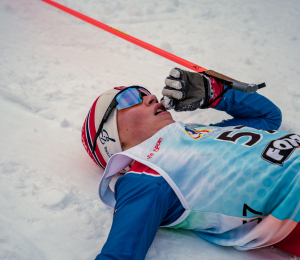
[108,142]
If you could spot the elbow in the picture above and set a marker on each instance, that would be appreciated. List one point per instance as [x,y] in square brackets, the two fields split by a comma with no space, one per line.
[275,119]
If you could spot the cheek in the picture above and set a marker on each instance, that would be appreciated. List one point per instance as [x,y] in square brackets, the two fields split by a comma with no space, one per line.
[130,121]
[136,119]
[138,123]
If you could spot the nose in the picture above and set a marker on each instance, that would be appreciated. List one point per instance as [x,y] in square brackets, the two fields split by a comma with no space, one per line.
[148,100]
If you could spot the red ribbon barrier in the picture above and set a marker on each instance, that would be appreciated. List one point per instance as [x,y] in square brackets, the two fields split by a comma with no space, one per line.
[127,37]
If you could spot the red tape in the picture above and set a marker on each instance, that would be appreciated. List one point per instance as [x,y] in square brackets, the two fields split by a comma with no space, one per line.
[127,37]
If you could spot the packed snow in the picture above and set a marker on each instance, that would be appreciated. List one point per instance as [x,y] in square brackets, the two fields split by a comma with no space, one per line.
[53,66]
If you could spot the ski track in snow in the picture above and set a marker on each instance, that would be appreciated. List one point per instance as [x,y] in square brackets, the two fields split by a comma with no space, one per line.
[53,66]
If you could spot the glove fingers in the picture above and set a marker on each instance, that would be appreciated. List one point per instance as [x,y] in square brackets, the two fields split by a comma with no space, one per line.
[185,90]
[174,83]
[176,73]
[184,106]
[171,93]
[167,102]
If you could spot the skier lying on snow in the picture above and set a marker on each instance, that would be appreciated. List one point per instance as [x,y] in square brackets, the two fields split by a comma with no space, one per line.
[234,183]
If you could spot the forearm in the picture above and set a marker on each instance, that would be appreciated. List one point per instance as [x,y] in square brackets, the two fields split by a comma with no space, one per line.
[253,110]
[138,215]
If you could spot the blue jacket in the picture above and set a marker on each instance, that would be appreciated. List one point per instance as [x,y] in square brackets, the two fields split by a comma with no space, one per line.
[145,202]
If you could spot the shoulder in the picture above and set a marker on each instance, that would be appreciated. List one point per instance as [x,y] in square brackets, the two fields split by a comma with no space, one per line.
[141,169]
[140,179]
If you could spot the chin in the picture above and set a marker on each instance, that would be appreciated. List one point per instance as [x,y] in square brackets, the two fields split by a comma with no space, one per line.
[166,122]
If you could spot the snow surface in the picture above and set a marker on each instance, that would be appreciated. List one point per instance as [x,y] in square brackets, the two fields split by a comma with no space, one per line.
[53,66]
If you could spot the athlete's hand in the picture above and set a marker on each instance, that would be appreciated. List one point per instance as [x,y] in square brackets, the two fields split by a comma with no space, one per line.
[185,90]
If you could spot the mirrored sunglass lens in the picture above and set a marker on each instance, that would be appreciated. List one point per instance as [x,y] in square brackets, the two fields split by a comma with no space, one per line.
[128,98]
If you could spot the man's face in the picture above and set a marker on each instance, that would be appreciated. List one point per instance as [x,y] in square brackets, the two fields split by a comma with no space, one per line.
[138,123]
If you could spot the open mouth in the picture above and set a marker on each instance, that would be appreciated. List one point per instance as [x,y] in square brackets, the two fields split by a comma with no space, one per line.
[158,109]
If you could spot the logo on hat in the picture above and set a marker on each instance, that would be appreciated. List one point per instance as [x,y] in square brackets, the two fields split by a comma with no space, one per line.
[119,88]
[104,137]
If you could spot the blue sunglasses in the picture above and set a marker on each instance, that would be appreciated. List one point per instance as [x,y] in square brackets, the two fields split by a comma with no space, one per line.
[131,97]
[126,98]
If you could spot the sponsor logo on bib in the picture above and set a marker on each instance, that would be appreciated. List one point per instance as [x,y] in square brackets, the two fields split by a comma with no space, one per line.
[196,133]
[156,148]
[279,150]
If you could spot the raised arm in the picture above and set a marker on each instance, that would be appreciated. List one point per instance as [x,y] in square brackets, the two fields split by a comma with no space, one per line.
[188,91]
[253,110]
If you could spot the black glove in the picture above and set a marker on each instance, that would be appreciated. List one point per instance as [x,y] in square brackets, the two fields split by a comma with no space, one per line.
[186,91]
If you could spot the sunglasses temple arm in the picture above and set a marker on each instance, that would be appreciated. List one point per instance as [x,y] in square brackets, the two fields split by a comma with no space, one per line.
[97,135]
[111,107]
